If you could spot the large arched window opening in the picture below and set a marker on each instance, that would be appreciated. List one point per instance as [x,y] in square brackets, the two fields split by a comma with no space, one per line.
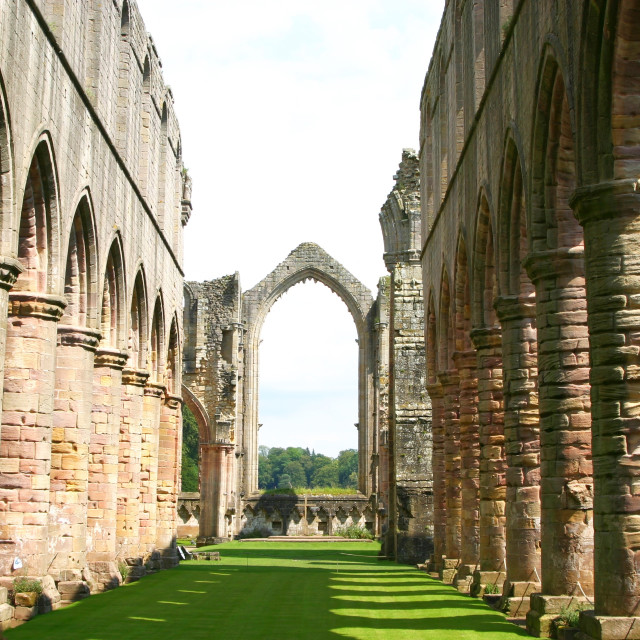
[308,392]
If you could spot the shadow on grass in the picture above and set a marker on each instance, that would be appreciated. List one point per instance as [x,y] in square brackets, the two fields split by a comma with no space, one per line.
[289,593]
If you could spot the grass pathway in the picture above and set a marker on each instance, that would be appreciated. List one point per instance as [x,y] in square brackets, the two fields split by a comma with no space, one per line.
[279,591]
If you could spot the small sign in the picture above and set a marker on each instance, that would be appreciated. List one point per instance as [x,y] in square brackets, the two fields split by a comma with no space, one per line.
[17,563]
[181,552]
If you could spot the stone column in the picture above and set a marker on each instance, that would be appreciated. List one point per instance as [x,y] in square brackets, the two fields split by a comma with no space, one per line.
[152,403]
[70,447]
[216,472]
[169,457]
[27,419]
[129,468]
[466,362]
[488,343]
[450,383]
[565,432]
[103,467]
[522,449]
[609,214]
[10,269]
[439,477]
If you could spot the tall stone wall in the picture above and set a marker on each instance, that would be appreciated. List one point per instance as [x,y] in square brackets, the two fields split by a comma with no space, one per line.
[93,198]
[529,161]
[410,537]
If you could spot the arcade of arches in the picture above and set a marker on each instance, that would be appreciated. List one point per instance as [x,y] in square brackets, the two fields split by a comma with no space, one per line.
[499,362]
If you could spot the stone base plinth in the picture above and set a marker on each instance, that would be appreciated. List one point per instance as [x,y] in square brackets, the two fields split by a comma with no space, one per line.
[545,609]
[449,569]
[594,627]
[464,578]
[483,578]
[516,596]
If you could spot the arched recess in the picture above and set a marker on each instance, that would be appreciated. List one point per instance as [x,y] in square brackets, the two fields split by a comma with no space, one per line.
[144,148]
[155,359]
[138,323]
[112,313]
[485,288]
[163,218]
[556,266]
[200,414]
[465,363]
[80,284]
[6,169]
[432,341]
[38,245]
[308,262]
[445,347]
[172,368]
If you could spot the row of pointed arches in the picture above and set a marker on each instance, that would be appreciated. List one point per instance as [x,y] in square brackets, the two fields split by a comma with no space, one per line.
[125,313]
[525,473]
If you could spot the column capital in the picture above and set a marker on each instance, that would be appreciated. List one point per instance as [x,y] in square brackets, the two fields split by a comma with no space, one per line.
[449,377]
[84,337]
[10,269]
[486,337]
[172,401]
[541,265]
[434,389]
[606,200]
[135,377]
[465,359]
[36,305]
[515,307]
[154,389]
[110,357]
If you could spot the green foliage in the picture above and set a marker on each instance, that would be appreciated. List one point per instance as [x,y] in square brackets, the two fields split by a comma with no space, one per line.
[300,468]
[27,585]
[310,491]
[491,589]
[354,531]
[123,568]
[190,451]
[570,616]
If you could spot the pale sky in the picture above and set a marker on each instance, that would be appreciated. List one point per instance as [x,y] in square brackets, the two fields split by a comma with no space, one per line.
[293,117]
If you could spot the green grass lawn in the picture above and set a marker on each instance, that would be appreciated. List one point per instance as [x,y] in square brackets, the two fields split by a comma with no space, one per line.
[279,591]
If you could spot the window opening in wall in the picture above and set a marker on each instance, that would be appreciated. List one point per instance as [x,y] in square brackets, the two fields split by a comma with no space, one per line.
[190,451]
[308,393]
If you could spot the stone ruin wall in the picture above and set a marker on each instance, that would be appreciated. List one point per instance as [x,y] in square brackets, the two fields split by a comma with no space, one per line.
[395,414]
[93,200]
[529,161]
[409,430]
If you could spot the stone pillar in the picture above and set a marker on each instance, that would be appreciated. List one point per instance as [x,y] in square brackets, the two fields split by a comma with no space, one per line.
[70,447]
[103,467]
[169,457]
[216,477]
[466,362]
[609,215]
[27,419]
[450,382]
[488,343]
[129,466]
[10,269]
[522,449]
[152,403]
[565,432]
[439,477]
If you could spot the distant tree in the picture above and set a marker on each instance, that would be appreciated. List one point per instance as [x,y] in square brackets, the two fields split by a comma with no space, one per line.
[326,476]
[263,451]
[348,468]
[296,473]
[284,482]
[190,451]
